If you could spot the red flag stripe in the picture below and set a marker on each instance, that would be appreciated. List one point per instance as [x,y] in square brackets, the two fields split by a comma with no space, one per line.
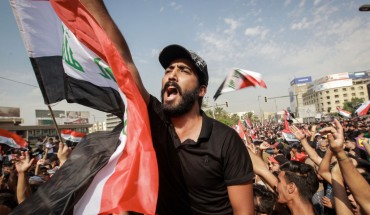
[12,139]
[134,183]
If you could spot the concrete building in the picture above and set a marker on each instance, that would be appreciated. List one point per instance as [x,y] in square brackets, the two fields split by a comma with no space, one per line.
[298,86]
[332,91]
[112,121]
[98,126]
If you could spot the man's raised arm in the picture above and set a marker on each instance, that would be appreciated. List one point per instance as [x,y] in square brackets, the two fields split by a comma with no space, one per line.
[98,10]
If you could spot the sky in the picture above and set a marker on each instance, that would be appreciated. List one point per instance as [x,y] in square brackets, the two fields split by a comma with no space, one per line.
[281,40]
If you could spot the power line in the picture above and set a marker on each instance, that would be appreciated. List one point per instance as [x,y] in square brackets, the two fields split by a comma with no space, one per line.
[18,82]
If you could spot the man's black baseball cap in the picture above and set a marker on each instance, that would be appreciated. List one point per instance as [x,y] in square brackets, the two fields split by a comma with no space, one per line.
[174,52]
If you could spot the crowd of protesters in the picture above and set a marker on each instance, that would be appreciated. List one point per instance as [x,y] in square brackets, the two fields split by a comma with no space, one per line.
[25,169]
[326,170]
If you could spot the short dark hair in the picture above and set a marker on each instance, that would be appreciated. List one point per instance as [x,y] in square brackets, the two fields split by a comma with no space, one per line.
[303,176]
[267,199]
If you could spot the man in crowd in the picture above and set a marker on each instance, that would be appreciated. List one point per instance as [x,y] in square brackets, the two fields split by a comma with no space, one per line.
[203,165]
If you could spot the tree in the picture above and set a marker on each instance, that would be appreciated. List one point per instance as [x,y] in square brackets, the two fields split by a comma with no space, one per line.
[352,105]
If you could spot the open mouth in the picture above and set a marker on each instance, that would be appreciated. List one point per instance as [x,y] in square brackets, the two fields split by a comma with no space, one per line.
[171,89]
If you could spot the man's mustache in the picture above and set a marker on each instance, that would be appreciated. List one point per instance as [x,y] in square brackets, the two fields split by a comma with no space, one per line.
[173,84]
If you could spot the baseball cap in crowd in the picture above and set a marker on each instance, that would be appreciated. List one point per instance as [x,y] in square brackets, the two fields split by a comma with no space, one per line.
[173,52]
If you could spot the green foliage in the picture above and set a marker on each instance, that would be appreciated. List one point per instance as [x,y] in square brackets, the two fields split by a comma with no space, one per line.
[223,116]
[353,104]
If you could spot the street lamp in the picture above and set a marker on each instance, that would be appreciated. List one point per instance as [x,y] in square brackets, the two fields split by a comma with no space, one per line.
[364,8]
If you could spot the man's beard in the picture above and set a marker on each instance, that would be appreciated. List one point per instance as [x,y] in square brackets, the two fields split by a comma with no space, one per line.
[185,105]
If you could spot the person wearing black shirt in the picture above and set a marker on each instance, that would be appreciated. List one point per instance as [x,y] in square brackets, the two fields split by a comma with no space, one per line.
[204,167]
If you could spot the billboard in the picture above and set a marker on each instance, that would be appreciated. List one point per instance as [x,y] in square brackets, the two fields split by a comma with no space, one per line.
[46,113]
[333,84]
[10,112]
[333,77]
[302,80]
[77,117]
[358,75]
[307,111]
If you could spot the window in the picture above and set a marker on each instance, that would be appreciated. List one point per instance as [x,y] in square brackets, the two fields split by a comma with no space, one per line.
[336,90]
[328,103]
[327,92]
[345,95]
[328,97]
[352,88]
[337,102]
[346,100]
[353,94]
[336,96]
[320,93]
[361,87]
[322,109]
[362,93]
[344,89]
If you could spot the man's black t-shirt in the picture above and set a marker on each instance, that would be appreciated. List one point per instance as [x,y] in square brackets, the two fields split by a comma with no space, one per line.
[193,176]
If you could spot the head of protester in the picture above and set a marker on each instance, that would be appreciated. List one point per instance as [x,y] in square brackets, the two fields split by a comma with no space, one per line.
[297,183]
[185,81]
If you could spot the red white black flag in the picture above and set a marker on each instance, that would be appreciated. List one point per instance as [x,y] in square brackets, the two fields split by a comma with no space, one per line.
[108,172]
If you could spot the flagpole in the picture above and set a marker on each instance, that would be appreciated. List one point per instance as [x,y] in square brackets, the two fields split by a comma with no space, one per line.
[55,122]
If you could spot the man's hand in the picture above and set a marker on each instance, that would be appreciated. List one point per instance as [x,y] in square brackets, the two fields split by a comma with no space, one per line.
[264,145]
[297,133]
[23,163]
[335,136]
[327,202]
[63,152]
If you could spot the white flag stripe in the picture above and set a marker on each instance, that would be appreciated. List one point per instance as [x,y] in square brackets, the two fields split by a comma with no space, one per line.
[84,57]
[9,141]
[44,42]
[91,200]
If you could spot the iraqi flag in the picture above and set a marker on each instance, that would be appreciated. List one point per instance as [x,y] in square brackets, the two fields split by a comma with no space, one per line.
[11,139]
[248,123]
[108,172]
[343,113]
[59,60]
[286,132]
[238,79]
[71,135]
[363,109]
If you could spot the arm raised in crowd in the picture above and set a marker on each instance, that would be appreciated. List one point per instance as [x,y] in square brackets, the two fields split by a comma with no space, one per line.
[302,138]
[357,184]
[324,167]
[260,168]
[342,204]
[22,166]
[63,153]
[98,10]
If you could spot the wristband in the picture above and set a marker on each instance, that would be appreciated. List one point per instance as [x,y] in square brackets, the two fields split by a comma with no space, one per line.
[342,159]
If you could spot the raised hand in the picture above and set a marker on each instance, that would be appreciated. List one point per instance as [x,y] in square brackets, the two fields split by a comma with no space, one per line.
[297,132]
[335,136]
[23,163]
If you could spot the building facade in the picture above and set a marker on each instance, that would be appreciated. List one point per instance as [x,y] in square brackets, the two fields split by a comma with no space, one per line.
[329,92]
[112,121]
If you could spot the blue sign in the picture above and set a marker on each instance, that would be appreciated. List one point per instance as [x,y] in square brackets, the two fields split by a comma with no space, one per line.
[301,80]
[357,75]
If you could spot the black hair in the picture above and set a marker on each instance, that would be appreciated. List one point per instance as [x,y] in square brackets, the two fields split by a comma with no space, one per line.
[267,199]
[303,176]
[8,199]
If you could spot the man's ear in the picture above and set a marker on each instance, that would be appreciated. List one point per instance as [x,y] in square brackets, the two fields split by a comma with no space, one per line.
[202,91]
[291,188]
